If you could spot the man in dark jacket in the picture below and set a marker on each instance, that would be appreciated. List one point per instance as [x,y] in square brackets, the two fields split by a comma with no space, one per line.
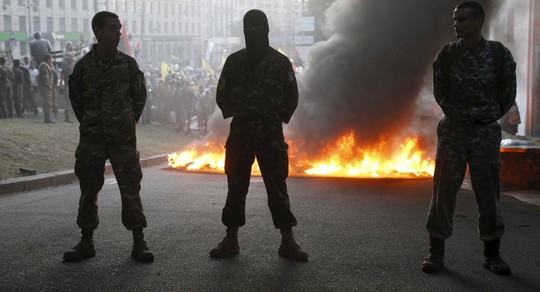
[108,93]
[257,87]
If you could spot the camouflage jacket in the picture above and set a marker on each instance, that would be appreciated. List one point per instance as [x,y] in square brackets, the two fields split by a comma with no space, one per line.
[107,97]
[45,79]
[269,92]
[6,76]
[471,94]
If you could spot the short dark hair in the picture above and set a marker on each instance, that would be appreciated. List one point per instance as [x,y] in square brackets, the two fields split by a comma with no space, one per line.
[47,57]
[477,9]
[98,20]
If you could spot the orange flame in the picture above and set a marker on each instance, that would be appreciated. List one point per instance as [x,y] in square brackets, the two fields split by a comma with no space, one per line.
[345,158]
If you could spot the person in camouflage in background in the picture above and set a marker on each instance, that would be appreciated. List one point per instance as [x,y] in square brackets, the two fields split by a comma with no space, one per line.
[257,87]
[107,92]
[6,92]
[46,85]
[475,85]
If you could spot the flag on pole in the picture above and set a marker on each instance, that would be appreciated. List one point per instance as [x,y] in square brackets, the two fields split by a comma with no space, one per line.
[207,68]
[164,70]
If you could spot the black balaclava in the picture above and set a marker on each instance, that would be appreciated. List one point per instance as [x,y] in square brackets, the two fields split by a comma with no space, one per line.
[256,35]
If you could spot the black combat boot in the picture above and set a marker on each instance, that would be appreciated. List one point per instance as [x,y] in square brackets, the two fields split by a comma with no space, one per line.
[435,259]
[140,251]
[493,260]
[228,246]
[288,248]
[84,249]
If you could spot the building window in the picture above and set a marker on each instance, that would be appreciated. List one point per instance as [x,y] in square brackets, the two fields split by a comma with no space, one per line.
[134,26]
[6,2]
[85,4]
[74,27]
[37,27]
[22,23]
[124,6]
[166,27]
[73,4]
[193,28]
[7,22]
[62,4]
[150,27]
[158,27]
[48,3]
[50,24]
[62,22]
[133,6]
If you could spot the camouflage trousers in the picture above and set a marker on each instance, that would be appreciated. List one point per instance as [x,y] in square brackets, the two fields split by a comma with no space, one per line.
[49,100]
[477,145]
[270,149]
[17,99]
[6,101]
[90,167]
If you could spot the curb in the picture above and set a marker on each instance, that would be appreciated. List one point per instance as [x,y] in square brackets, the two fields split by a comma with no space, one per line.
[52,179]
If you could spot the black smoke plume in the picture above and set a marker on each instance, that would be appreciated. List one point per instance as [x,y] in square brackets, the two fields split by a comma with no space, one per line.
[368,76]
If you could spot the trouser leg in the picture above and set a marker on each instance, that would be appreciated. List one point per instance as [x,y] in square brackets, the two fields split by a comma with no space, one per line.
[67,110]
[46,97]
[9,100]
[450,165]
[274,164]
[89,168]
[124,160]
[3,108]
[238,162]
[484,166]
[17,100]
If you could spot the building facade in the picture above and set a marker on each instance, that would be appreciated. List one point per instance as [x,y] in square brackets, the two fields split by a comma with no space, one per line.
[163,30]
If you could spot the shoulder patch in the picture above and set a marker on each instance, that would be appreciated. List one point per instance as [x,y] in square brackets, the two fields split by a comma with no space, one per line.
[291,76]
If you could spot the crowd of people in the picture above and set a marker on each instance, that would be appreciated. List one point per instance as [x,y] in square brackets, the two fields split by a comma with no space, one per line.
[183,100]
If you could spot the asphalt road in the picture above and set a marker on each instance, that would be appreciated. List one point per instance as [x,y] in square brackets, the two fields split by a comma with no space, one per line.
[365,235]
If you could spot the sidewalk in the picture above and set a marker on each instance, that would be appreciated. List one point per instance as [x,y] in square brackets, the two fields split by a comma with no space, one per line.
[46,180]
[530,196]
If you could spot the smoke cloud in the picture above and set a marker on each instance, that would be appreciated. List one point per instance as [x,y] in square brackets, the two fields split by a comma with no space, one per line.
[367,76]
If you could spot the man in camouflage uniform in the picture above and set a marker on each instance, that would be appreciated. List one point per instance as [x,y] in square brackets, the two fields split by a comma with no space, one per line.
[45,81]
[6,91]
[108,93]
[475,84]
[258,89]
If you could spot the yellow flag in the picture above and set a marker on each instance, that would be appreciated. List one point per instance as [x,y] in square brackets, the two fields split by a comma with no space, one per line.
[164,70]
[281,51]
[207,68]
